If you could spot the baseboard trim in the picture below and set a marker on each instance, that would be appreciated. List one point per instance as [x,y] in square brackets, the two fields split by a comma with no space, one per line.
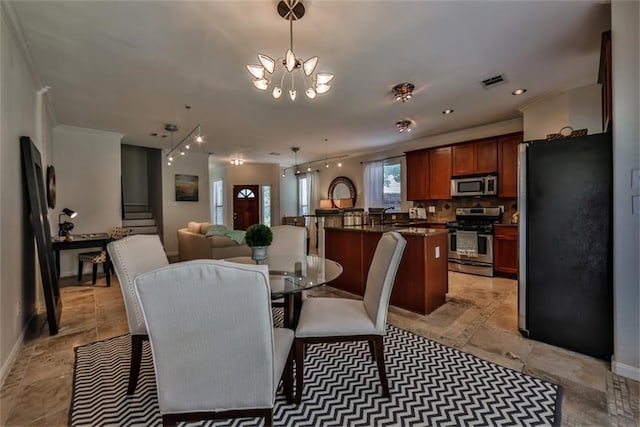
[11,360]
[626,371]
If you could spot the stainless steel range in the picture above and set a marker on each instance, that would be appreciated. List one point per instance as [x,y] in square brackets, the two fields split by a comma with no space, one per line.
[471,240]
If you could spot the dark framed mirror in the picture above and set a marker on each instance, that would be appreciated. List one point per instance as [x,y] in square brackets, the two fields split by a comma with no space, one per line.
[37,204]
[342,192]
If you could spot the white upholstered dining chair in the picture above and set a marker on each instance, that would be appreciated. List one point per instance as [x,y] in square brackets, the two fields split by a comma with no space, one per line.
[289,246]
[131,256]
[338,319]
[216,353]
[288,240]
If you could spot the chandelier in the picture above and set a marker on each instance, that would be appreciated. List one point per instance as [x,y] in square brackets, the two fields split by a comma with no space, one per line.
[264,73]
[404,126]
[403,91]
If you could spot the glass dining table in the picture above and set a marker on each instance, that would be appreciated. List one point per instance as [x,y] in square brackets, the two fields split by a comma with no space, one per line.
[290,276]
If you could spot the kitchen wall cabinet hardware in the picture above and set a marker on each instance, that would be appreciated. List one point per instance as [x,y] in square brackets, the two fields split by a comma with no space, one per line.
[475,157]
[505,257]
[508,165]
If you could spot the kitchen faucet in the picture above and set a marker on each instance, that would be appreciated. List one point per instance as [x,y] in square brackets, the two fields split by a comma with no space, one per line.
[383,212]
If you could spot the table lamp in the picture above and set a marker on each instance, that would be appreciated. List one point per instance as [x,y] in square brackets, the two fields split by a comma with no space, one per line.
[65,227]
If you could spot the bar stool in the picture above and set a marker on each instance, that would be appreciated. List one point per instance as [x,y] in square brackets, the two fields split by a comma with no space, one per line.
[99,257]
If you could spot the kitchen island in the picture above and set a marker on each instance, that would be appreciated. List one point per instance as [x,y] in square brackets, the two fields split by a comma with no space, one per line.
[422,280]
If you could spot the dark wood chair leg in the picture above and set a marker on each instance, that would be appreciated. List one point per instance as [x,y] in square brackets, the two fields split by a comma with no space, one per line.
[372,350]
[300,348]
[268,418]
[381,368]
[80,265]
[94,275]
[287,379]
[136,359]
[168,421]
[105,267]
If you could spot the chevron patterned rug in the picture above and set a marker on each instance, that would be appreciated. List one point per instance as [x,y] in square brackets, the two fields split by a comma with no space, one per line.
[431,385]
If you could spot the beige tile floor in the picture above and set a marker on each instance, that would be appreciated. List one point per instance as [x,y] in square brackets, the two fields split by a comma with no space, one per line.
[480,317]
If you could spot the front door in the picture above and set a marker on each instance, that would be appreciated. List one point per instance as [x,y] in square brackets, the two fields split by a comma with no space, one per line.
[246,206]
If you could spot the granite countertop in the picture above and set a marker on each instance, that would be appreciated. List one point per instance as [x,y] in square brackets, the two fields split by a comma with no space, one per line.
[402,229]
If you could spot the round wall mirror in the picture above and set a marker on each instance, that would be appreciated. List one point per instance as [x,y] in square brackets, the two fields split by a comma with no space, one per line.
[342,192]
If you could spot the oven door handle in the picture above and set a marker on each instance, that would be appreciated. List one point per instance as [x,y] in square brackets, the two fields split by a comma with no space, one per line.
[467,262]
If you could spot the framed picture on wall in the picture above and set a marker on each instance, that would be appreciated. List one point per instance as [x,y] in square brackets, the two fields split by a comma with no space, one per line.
[186,188]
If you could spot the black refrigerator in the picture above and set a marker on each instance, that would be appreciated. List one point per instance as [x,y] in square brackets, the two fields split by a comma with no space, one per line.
[565,286]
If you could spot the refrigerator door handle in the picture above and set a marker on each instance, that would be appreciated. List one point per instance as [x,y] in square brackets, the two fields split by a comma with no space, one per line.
[522,239]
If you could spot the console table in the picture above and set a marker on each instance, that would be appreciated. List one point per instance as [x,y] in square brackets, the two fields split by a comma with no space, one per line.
[82,241]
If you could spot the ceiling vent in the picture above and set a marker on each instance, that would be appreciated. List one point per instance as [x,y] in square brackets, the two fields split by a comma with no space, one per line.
[493,81]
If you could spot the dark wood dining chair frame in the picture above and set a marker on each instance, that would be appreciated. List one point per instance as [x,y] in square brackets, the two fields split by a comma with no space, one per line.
[376,348]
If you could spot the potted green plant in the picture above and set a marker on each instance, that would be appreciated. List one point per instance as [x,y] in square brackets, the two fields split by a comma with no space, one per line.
[258,238]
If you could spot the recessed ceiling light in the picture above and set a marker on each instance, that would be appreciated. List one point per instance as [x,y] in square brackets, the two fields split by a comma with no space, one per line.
[447,111]
[518,92]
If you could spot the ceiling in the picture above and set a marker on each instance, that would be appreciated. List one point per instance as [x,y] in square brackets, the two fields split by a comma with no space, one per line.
[132,66]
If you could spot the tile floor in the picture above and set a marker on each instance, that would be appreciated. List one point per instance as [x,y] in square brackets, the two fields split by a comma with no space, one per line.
[480,317]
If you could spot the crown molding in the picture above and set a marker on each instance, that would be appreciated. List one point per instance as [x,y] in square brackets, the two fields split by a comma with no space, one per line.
[10,17]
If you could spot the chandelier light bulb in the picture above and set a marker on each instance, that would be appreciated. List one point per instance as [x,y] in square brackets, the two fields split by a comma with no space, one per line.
[277,92]
[187,146]
[290,60]
[169,163]
[267,62]
[170,159]
[311,93]
[256,71]
[284,174]
[199,139]
[310,65]
[322,88]
[261,84]
[339,164]
[309,169]
[292,94]
[326,165]
[182,152]
[324,78]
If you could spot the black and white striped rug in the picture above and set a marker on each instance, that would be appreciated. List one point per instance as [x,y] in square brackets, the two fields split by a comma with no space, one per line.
[431,385]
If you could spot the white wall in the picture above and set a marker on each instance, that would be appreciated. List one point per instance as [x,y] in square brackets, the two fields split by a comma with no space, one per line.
[579,108]
[19,116]
[87,165]
[176,215]
[626,157]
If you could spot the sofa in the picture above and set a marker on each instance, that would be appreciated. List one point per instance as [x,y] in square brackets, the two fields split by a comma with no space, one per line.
[193,243]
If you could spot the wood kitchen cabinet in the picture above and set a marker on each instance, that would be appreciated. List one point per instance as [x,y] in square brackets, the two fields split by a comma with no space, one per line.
[421,281]
[440,173]
[345,247]
[505,251]
[508,165]
[475,157]
[418,175]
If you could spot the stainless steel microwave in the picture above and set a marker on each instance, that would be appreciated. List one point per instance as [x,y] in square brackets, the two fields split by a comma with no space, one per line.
[486,185]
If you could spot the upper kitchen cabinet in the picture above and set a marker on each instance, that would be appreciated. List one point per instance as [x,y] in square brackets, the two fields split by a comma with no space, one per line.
[604,78]
[418,175]
[508,165]
[440,173]
[475,157]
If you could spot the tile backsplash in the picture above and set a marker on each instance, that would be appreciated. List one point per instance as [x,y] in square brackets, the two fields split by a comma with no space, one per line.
[446,209]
